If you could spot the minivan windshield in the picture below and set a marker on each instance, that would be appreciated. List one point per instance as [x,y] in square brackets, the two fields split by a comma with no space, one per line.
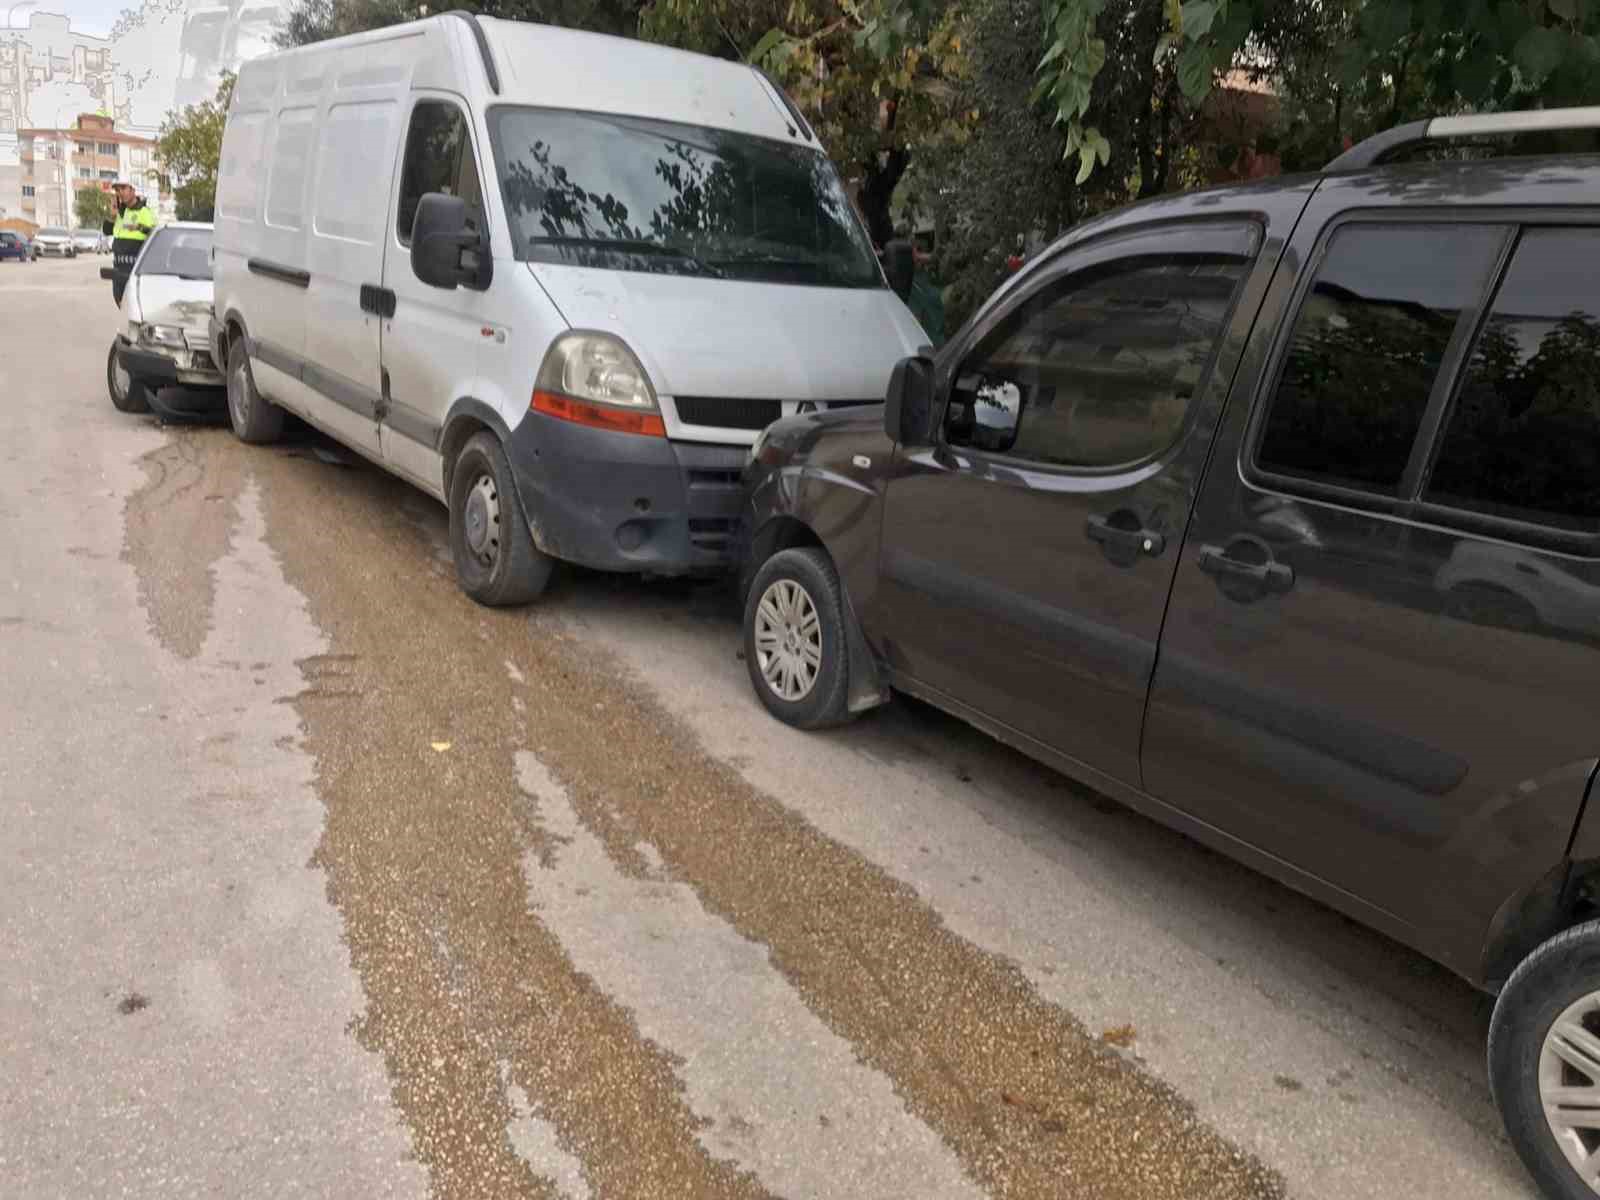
[183,252]
[637,194]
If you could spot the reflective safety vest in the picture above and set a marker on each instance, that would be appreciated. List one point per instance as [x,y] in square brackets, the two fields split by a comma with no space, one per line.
[135,224]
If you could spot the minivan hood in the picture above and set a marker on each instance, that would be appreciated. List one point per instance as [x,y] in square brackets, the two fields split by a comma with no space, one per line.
[172,300]
[719,337]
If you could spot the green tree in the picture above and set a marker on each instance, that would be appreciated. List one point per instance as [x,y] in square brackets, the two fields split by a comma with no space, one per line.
[93,206]
[188,150]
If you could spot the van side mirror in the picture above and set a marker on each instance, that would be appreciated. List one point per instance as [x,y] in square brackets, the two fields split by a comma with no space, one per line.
[444,252]
[900,266]
[908,404]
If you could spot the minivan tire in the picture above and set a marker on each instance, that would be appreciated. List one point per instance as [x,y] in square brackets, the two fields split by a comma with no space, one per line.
[255,419]
[791,587]
[1559,974]
[497,563]
[129,398]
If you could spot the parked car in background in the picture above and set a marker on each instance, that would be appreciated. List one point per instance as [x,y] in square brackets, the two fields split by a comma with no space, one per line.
[1273,511]
[14,247]
[589,270]
[54,241]
[89,241]
[165,343]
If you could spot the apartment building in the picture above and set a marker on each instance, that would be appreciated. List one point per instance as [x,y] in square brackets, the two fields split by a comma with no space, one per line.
[57,162]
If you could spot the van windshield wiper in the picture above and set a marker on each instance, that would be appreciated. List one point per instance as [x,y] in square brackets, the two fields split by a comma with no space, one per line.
[629,245]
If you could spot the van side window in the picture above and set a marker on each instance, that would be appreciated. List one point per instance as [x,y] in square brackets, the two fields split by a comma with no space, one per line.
[1366,349]
[1523,440]
[438,158]
[1099,369]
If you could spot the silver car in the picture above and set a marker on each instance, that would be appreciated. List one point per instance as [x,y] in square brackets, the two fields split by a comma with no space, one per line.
[162,358]
[90,241]
[52,240]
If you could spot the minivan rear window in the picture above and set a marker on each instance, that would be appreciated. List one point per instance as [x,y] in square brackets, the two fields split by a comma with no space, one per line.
[1523,439]
[1367,347]
[636,194]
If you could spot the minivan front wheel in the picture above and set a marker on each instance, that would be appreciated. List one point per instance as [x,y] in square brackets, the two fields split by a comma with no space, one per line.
[255,419]
[794,639]
[1544,1062]
[497,563]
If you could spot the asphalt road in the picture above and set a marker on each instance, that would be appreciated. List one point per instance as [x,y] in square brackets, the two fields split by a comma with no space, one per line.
[318,880]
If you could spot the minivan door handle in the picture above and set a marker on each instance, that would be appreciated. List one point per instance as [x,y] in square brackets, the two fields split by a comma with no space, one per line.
[378,300]
[1123,539]
[1267,576]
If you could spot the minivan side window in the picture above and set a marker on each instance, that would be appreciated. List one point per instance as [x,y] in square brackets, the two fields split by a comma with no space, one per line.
[1366,348]
[1099,369]
[438,158]
[1523,440]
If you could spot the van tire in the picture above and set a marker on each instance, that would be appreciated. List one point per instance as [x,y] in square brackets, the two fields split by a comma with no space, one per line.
[128,395]
[497,563]
[255,419]
[807,577]
[1561,972]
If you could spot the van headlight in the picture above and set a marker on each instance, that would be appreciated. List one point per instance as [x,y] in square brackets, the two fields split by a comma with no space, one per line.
[598,368]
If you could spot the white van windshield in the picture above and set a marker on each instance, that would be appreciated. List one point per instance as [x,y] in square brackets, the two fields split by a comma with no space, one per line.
[635,194]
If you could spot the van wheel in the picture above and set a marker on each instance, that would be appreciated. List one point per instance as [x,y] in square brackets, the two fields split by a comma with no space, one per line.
[1544,1062]
[497,563]
[794,641]
[127,393]
[255,419]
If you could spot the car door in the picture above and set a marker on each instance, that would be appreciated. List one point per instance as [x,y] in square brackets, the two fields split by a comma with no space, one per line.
[431,336]
[1373,669]
[1028,553]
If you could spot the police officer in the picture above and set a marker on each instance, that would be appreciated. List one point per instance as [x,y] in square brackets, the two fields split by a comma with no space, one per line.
[135,222]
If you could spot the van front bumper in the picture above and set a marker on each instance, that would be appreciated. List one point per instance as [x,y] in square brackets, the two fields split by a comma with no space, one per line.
[627,502]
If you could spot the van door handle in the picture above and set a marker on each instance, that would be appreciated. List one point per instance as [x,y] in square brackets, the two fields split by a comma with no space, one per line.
[378,300]
[1269,576]
[1120,538]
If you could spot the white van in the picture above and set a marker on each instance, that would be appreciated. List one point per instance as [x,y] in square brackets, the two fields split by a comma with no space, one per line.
[558,280]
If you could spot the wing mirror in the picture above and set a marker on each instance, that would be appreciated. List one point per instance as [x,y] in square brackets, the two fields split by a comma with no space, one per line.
[908,404]
[444,252]
[900,266]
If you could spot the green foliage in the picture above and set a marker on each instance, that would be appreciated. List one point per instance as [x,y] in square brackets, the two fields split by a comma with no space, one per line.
[188,150]
[93,206]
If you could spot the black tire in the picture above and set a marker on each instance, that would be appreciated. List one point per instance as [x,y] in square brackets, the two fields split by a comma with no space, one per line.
[497,563]
[826,701]
[254,418]
[132,399]
[1559,973]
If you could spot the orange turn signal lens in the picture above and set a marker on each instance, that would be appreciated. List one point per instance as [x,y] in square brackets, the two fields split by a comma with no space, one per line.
[599,416]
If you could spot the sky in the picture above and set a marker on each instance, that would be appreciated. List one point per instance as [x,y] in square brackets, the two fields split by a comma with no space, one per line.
[87,16]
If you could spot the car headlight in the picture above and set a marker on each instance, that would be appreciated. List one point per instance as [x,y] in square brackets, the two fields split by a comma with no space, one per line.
[169,336]
[598,368]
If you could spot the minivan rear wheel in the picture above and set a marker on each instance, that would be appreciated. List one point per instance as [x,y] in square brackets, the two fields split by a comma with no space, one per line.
[255,419]
[497,563]
[1544,1062]
[794,639]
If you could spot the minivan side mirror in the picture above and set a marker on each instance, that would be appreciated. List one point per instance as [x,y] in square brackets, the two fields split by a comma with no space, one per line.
[444,252]
[908,404]
[900,266]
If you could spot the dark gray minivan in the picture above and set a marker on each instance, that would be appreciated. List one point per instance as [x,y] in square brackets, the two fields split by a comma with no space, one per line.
[1273,511]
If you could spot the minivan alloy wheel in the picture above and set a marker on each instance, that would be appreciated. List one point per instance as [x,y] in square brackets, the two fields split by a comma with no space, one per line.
[482,520]
[788,637]
[1569,1085]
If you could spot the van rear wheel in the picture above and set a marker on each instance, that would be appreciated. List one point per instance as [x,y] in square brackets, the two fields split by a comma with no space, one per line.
[1544,1062]
[497,563]
[255,419]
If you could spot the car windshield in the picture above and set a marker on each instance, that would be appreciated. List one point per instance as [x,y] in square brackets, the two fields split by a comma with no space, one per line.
[636,194]
[183,252]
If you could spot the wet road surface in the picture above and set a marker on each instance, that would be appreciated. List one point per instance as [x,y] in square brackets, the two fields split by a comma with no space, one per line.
[321,880]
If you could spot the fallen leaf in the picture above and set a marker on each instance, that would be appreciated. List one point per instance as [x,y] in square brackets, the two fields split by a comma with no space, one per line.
[1122,1035]
[441,747]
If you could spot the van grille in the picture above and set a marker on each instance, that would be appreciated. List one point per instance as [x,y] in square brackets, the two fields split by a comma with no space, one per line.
[728,412]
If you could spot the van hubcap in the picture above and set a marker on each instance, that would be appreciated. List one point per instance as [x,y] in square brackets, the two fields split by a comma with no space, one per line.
[1569,1086]
[788,640]
[238,403]
[482,520]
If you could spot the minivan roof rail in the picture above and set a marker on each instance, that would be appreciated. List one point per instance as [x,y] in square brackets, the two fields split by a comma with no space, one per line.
[482,39]
[1373,150]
